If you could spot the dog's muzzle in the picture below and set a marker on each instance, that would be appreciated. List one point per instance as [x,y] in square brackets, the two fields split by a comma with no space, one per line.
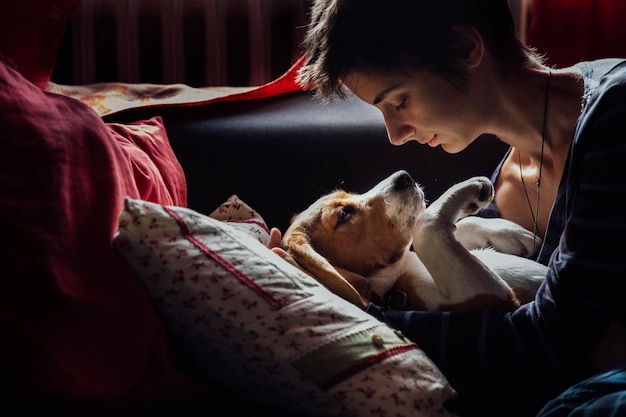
[402,180]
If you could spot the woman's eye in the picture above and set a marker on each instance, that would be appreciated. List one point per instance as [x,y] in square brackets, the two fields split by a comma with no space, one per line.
[344,214]
[402,104]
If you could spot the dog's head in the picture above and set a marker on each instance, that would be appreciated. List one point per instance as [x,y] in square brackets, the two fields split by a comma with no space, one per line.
[363,233]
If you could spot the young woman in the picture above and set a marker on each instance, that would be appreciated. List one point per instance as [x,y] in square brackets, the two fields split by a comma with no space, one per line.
[444,72]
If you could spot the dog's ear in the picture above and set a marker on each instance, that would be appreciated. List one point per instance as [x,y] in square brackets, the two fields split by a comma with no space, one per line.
[298,244]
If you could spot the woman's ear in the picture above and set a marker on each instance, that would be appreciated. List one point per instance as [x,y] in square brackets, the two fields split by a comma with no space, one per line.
[471,45]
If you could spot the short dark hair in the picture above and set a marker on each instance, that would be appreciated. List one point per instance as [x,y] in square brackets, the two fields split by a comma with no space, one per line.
[382,36]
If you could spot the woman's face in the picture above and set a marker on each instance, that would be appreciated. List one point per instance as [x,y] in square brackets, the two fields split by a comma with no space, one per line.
[420,106]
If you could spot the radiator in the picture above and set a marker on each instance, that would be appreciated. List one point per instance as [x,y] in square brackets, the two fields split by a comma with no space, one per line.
[197,42]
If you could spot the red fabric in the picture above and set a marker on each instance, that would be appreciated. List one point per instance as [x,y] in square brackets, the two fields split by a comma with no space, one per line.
[569,31]
[284,84]
[157,174]
[30,35]
[75,323]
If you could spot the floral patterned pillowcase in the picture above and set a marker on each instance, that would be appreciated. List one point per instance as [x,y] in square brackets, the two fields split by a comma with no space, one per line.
[265,329]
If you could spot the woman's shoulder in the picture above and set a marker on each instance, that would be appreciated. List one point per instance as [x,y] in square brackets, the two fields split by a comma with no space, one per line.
[604,97]
[601,77]
[603,112]
[599,68]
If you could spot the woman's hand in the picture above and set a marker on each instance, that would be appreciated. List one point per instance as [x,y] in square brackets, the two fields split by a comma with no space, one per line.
[274,242]
[275,239]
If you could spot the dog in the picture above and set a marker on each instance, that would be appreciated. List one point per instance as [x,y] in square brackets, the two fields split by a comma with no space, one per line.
[435,258]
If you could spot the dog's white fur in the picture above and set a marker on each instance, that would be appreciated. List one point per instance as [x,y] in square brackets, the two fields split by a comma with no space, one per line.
[458,262]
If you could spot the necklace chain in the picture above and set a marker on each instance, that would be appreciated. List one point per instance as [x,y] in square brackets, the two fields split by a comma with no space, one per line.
[535,214]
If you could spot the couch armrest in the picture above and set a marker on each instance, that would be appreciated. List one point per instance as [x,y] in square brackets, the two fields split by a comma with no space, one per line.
[280,154]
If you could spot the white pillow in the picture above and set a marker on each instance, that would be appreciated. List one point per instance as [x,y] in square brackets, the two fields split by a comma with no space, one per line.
[255,323]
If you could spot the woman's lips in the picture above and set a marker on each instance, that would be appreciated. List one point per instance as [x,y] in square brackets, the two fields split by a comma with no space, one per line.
[432,142]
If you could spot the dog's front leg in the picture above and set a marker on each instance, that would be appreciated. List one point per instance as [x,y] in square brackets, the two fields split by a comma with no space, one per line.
[500,234]
[462,280]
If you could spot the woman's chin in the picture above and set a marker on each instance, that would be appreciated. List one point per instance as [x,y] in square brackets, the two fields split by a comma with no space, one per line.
[452,149]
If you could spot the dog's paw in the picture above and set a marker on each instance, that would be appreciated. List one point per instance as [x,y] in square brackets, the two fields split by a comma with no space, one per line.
[500,234]
[463,199]
[477,192]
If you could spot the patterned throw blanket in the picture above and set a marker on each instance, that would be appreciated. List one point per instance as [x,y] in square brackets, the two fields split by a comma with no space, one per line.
[109,98]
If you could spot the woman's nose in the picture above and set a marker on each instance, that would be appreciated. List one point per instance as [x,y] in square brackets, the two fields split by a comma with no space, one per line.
[399,133]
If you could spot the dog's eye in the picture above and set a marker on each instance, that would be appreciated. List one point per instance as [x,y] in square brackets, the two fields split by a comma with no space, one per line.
[344,214]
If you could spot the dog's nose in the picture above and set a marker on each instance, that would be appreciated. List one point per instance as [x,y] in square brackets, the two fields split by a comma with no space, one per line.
[403,180]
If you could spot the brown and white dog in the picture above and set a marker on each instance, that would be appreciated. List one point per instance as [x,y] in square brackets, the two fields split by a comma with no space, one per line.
[457,262]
